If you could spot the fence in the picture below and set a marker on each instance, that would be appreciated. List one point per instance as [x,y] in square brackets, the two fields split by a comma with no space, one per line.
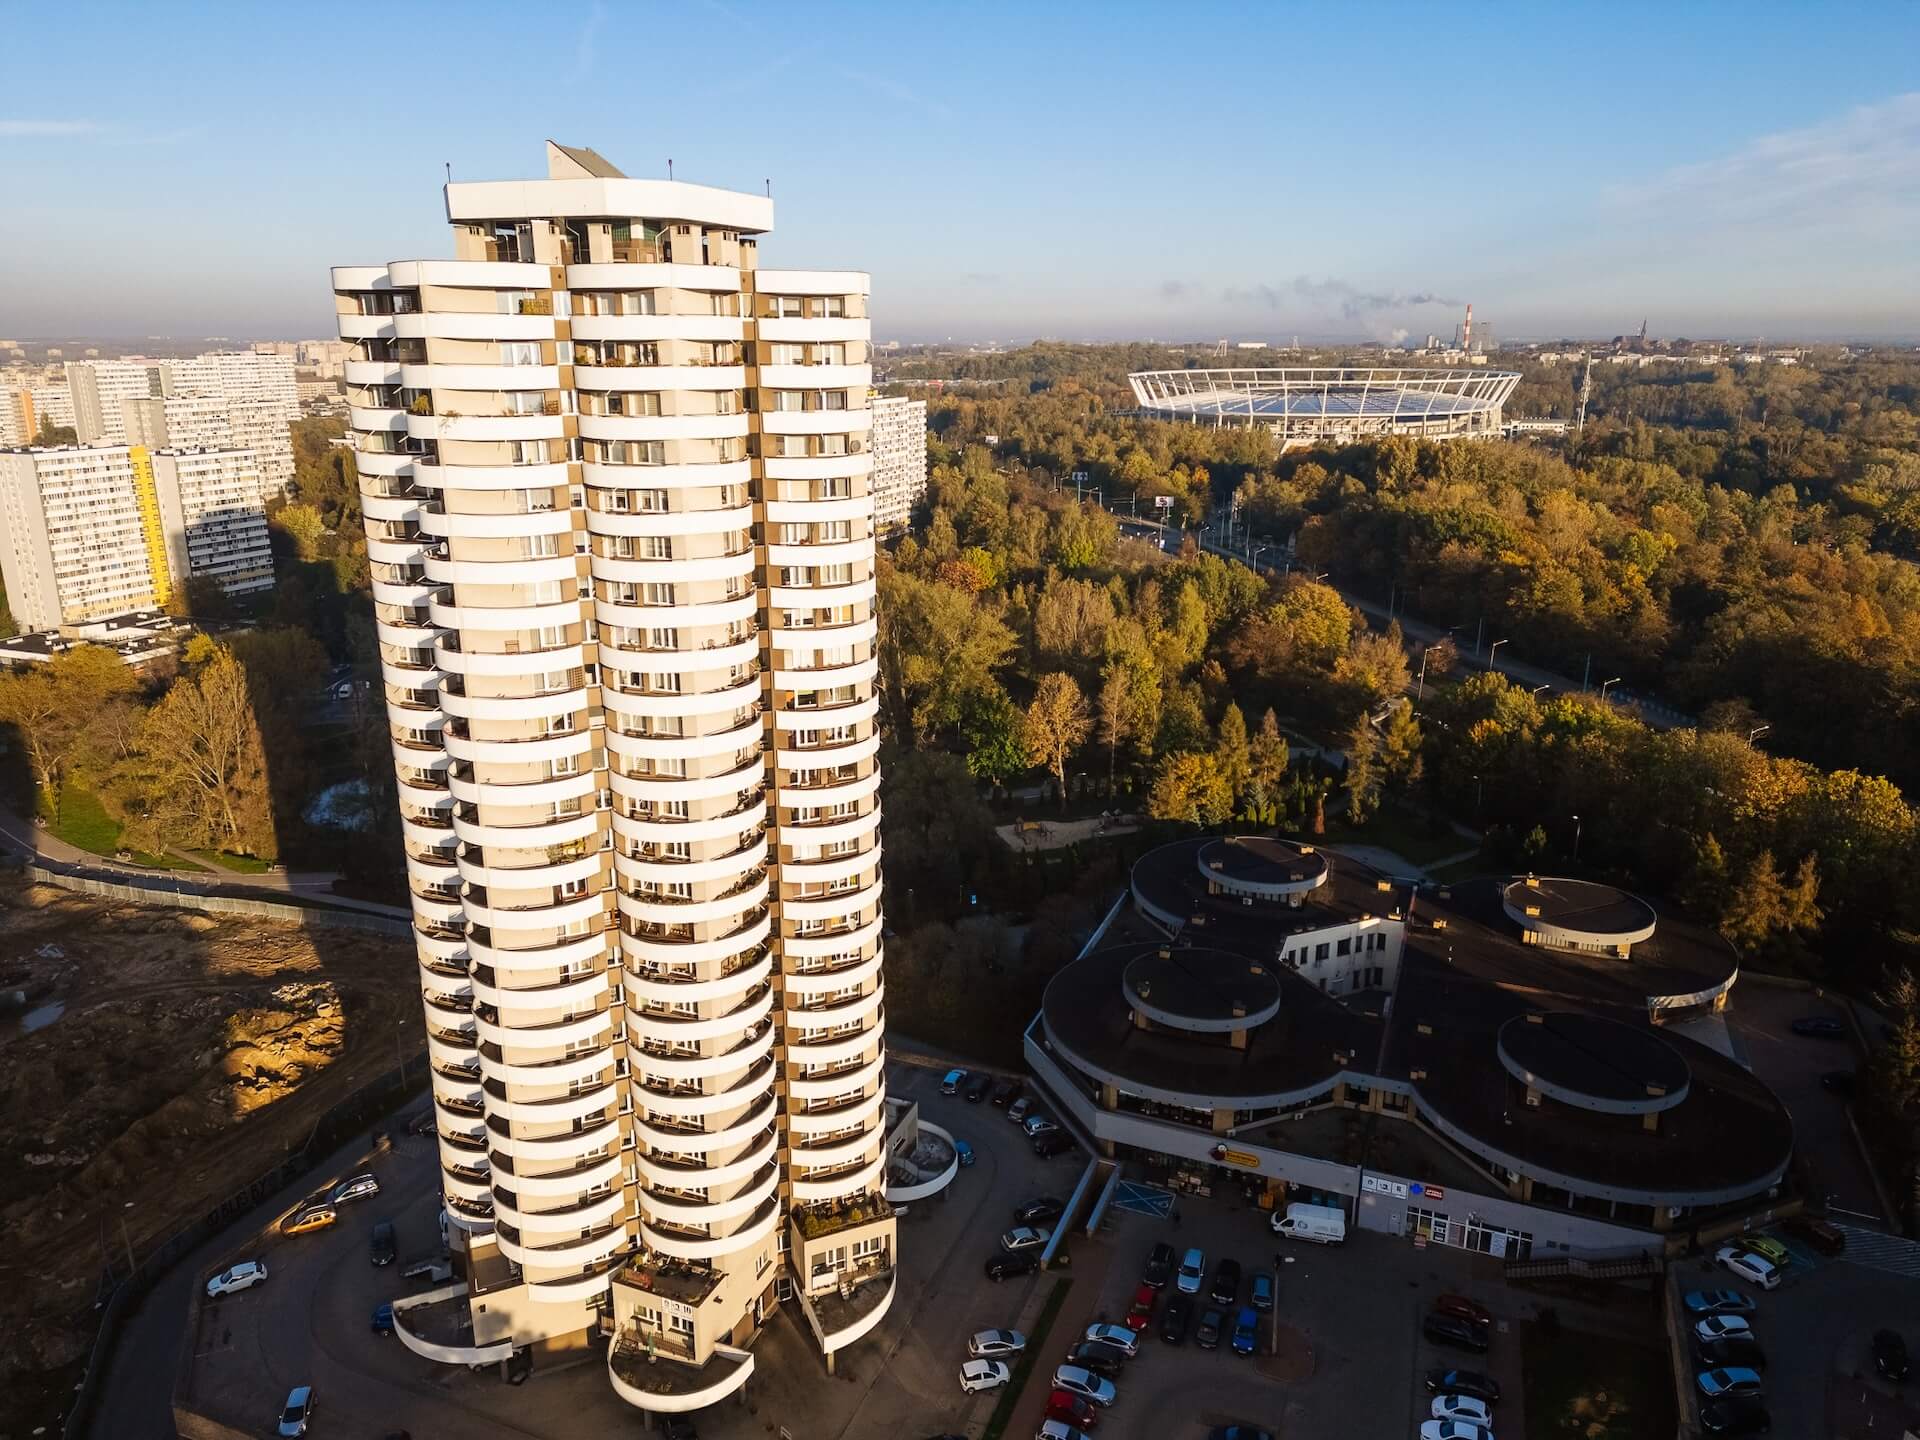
[309,916]
[377,1098]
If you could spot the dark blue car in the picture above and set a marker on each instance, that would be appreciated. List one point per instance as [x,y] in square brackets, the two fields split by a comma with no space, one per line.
[383,1319]
[1246,1330]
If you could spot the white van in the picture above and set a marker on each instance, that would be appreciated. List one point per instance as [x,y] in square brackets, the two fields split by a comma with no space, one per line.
[1322,1224]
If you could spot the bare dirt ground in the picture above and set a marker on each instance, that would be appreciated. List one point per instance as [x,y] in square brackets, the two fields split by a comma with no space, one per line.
[192,1054]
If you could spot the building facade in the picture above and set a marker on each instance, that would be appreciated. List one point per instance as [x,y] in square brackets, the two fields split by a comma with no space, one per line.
[212,523]
[616,480]
[97,388]
[899,460]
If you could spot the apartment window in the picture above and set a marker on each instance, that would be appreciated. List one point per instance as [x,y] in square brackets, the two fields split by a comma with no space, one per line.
[653,547]
[535,502]
[571,889]
[555,680]
[786,400]
[652,502]
[559,724]
[1343,947]
[1320,951]
[540,547]
[833,400]
[833,444]
[561,766]
[528,452]
[520,352]
[838,487]
[656,594]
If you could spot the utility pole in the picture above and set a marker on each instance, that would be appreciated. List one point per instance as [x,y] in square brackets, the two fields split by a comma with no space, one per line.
[1587,674]
[1586,389]
[1479,636]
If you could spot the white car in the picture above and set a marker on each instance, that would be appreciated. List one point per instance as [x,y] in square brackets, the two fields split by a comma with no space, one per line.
[1193,1270]
[356,1187]
[1721,1327]
[1454,1430]
[978,1375]
[1755,1269]
[991,1344]
[1469,1408]
[1025,1237]
[1077,1380]
[244,1276]
[1117,1336]
[1037,1125]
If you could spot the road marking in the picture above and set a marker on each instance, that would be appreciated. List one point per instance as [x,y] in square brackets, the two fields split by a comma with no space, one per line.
[1139,1198]
[1879,1251]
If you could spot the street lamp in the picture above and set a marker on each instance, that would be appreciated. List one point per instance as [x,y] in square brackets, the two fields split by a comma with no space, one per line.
[1603,688]
[1576,839]
[1755,733]
[1421,692]
[1493,653]
[1538,688]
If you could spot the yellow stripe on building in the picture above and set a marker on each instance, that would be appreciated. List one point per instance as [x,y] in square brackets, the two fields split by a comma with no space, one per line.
[148,499]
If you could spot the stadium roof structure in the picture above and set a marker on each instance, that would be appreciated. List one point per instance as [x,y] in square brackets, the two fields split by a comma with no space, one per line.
[1301,405]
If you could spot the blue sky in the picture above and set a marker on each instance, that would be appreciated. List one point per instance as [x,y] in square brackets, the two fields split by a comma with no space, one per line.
[1111,170]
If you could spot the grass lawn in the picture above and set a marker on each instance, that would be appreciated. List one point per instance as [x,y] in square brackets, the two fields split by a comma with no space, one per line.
[1594,1387]
[240,864]
[1407,834]
[85,824]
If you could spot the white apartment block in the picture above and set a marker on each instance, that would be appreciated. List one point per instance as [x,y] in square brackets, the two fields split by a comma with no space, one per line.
[616,480]
[217,422]
[211,518]
[98,387]
[72,544]
[238,375]
[899,460]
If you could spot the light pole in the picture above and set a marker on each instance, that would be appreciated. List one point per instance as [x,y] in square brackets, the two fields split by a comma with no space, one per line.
[1420,693]
[1493,653]
[1538,688]
[1576,839]
[1755,733]
[1603,688]
[1479,794]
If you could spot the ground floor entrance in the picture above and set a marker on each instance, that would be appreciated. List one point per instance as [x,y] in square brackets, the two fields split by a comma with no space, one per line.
[1470,1233]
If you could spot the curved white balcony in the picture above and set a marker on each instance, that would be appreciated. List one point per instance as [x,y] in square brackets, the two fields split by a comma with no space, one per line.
[707,567]
[829,833]
[855,1008]
[843,1151]
[450,1050]
[372,463]
[823,330]
[854,507]
[365,327]
[586,1251]
[699,702]
[839,552]
[376,420]
[658,327]
[701,1067]
[630,1375]
[514,707]
[814,757]
[485,427]
[569,1107]
[695,912]
[690,1247]
[632,748]
[649,276]
[460,1187]
[561,995]
[832,907]
[539,832]
[823,467]
[832,1050]
[664,427]
[642,870]
[793,647]
[507,618]
[446,571]
[595,1026]
[657,1209]
[491,379]
[864,709]
[659,377]
[813,282]
[592,1066]
[541,917]
[694,952]
[469,274]
[399,508]
[472,325]
[493,527]
[439,949]
[704,1139]
[570,1182]
[816,377]
[816,422]
[568,1145]
[827,868]
[633,787]
[644,1025]
[570,1218]
[826,1087]
[840,793]
[859,1112]
[541,957]
[517,752]
[683,1176]
[433,476]
[798,983]
[838,1187]
[670,522]
[523,793]
[570,1289]
[408,595]
[750,1088]
[447,657]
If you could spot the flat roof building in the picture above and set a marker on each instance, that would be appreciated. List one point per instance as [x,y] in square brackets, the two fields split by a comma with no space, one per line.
[899,461]
[98,387]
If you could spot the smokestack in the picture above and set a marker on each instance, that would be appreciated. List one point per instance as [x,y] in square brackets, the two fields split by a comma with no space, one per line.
[1466,335]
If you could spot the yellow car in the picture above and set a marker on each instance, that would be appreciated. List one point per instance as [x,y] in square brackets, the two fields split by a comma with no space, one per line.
[317,1217]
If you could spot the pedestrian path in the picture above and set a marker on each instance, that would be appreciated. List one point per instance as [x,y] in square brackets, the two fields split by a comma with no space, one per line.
[1880,1251]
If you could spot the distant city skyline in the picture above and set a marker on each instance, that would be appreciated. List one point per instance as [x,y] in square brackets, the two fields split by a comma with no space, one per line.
[1088,173]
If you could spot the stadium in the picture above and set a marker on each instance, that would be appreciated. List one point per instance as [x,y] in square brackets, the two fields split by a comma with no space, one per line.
[1306,405]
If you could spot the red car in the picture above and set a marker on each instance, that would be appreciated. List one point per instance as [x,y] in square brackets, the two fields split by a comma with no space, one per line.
[1462,1308]
[1072,1409]
[1141,1315]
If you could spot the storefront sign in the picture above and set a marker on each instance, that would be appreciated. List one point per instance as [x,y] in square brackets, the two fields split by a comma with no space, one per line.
[1235,1157]
[1379,1185]
[1431,1192]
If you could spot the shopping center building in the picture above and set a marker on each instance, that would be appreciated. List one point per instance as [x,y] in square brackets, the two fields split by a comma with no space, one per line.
[1521,1065]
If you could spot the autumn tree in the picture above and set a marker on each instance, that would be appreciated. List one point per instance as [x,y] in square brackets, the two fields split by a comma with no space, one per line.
[1190,787]
[52,707]
[1267,760]
[1366,772]
[1114,713]
[203,765]
[1058,723]
[994,734]
[1233,751]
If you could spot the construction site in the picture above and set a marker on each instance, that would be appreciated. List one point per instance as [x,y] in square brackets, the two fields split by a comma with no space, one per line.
[155,1062]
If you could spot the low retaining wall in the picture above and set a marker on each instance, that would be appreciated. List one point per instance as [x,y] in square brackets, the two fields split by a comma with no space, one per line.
[285,911]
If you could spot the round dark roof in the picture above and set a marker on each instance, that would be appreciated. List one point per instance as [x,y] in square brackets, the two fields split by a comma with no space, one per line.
[1261,864]
[1593,1062]
[1201,990]
[1583,907]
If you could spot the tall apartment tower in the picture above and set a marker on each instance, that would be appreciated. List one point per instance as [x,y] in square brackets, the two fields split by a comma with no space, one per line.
[98,387]
[616,486]
[899,461]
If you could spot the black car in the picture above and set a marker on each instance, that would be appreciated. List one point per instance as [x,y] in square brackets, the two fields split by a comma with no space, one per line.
[1743,1415]
[1099,1357]
[1451,1330]
[1051,1143]
[1827,1239]
[1159,1266]
[1841,1082]
[1175,1319]
[1226,1282]
[1889,1354]
[1038,1211]
[1732,1352]
[977,1087]
[1006,1267]
[384,1246]
[1207,1336]
[1464,1382]
[1820,1027]
[1003,1093]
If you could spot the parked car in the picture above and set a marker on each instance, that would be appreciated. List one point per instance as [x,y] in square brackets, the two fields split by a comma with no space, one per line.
[384,1246]
[996,1344]
[978,1375]
[1071,1409]
[1717,1302]
[1101,1359]
[1736,1352]
[1451,1330]
[1890,1355]
[1019,1108]
[235,1278]
[1322,1224]
[1052,1143]
[1754,1269]
[314,1217]
[1003,1092]
[977,1088]
[1037,1124]
[1226,1281]
[1159,1266]
[951,1082]
[1207,1334]
[1463,1308]
[1842,1082]
[355,1187]
[1053,1430]
[1246,1330]
[1007,1267]
[1820,1027]
[1827,1239]
[963,1152]
[1116,1335]
[297,1411]
[1025,1237]
[1464,1382]
[1454,1430]
[1470,1408]
[1174,1321]
[1740,1416]
[1038,1211]
[1140,1313]
[1766,1247]
[1719,1384]
[1719,1327]
[1078,1380]
[1262,1296]
[383,1319]
[1193,1269]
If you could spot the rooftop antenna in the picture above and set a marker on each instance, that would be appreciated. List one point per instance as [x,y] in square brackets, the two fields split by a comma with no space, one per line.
[1586,389]
[769,185]
[669,167]
[449,165]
